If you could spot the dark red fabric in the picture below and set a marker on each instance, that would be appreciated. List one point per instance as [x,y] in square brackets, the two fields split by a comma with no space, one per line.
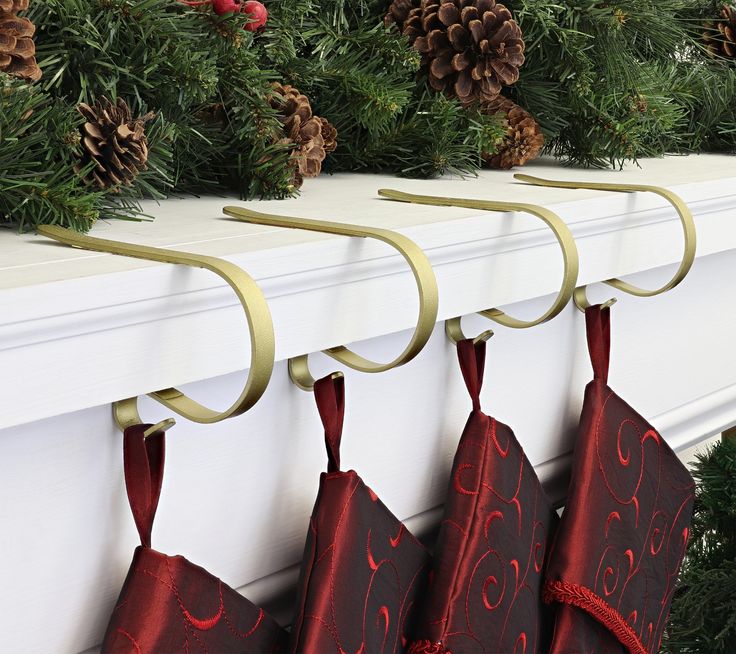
[363,572]
[617,553]
[485,594]
[168,604]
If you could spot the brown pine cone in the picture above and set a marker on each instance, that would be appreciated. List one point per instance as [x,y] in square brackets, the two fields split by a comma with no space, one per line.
[469,48]
[720,37]
[523,141]
[329,135]
[115,141]
[310,136]
[17,49]
[13,6]
[399,11]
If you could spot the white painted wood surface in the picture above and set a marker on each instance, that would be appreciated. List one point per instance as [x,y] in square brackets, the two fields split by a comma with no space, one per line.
[78,330]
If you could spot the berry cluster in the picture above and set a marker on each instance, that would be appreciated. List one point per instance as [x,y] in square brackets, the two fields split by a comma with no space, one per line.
[256,11]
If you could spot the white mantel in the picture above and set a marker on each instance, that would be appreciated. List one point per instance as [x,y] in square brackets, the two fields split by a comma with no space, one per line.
[79,330]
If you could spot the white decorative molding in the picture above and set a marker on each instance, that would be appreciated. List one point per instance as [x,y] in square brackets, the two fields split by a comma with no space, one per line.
[78,330]
[134,320]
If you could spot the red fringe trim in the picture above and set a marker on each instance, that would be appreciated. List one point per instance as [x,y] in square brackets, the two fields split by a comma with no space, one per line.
[427,647]
[586,599]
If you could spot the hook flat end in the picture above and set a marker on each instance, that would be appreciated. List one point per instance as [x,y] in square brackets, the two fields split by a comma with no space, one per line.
[393,194]
[162,426]
[484,337]
[609,303]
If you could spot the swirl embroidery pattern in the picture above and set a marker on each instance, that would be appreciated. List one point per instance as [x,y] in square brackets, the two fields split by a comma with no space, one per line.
[625,528]
[362,575]
[485,594]
[167,603]
[171,605]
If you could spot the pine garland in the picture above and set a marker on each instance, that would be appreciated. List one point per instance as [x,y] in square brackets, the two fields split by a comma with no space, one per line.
[608,83]
[703,615]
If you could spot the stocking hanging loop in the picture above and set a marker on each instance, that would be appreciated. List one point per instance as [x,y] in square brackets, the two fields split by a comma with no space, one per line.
[552,220]
[684,213]
[420,267]
[250,297]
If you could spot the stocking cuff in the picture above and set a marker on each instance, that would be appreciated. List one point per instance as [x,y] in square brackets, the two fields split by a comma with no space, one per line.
[585,599]
[427,647]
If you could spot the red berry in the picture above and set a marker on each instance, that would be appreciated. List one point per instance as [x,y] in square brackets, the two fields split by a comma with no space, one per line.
[257,13]
[221,7]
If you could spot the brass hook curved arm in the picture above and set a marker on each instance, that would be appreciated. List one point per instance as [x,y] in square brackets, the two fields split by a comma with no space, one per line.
[256,312]
[552,220]
[686,219]
[420,267]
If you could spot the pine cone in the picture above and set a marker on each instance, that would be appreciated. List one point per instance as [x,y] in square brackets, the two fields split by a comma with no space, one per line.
[720,37]
[469,48]
[114,141]
[13,6]
[17,49]
[399,11]
[310,136]
[329,135]
[523,141]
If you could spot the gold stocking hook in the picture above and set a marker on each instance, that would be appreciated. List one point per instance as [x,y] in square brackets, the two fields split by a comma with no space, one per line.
[256,312]
[420,267]
[551,219]
[686,218]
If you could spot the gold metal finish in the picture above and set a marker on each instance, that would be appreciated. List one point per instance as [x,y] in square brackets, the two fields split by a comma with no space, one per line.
[454,331]
[552,220]
[686,218]
[729,435]
[420,267]
[256,313]
[163,426]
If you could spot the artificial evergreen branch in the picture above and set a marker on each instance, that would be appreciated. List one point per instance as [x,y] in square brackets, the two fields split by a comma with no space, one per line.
[608,82]
[703,615]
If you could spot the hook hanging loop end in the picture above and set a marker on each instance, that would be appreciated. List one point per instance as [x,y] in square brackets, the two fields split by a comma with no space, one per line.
[686,220]
[454,331]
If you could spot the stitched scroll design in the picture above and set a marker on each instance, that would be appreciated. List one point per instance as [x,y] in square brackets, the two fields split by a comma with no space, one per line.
[171,605]
[485,595]
[625,528]
[362,575]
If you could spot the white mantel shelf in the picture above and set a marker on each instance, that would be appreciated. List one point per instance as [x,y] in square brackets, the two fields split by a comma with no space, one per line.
[103,326]
[79,330]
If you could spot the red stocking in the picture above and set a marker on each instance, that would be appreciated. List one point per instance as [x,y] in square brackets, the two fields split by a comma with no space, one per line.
[363,572]
[167,603]
[485,595]
[615,560]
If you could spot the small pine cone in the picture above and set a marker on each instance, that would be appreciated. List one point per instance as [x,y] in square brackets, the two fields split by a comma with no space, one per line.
[115,141]
[17,49]
[470,48]
[13,6]
[310,136]
[523,141]
[399,11]
[329,135]
[720,37]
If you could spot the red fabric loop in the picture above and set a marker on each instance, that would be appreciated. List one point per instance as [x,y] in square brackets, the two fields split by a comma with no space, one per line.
[598,326]
[472,358]
[330,395]
[143,461]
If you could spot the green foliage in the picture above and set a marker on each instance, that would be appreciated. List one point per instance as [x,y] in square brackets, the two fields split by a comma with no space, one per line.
[38,142]
[615,81]
[362,78]
[703,615]
[608,81]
